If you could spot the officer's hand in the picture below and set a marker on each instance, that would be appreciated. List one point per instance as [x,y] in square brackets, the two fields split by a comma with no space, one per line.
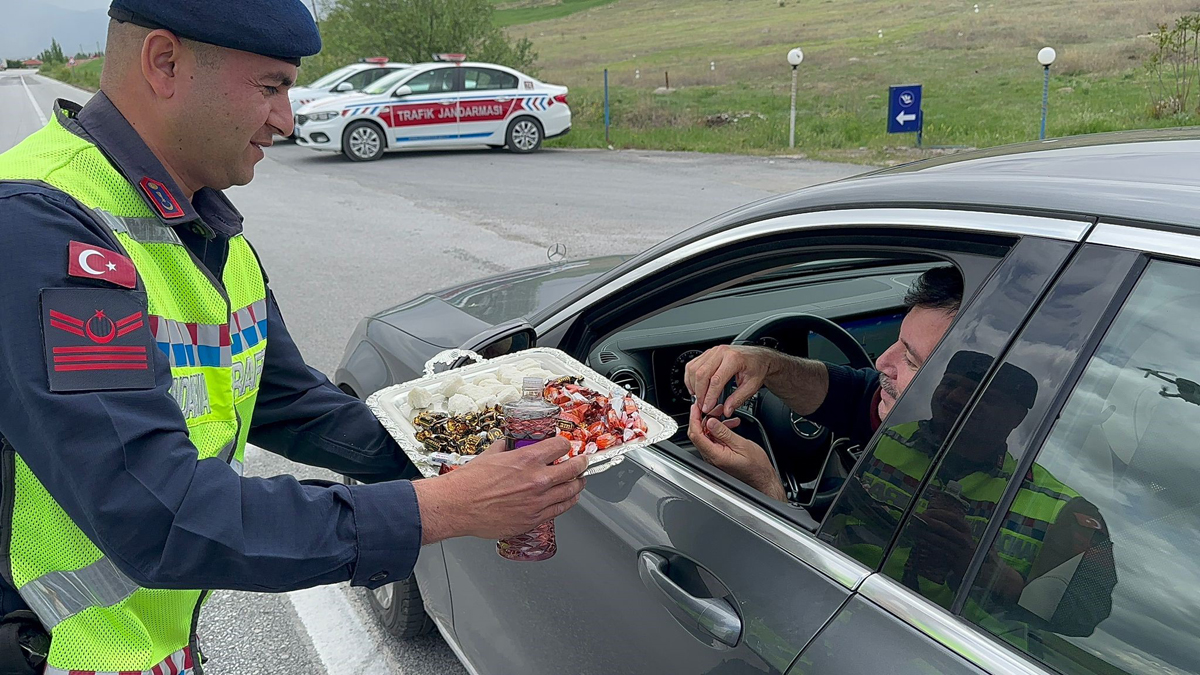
[946,536]
[500,494]
[707,374]
[741,458]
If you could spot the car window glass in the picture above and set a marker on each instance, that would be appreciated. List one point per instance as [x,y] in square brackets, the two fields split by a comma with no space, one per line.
[388,82]
[1109,516]
[937,543]
[375,74]
[477,79]
[880,488]
[433,81]
[332,78]
[362,78]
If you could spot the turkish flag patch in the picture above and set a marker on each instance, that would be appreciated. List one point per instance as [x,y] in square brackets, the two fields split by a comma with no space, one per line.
[94,262]
[162,199]
[96,339]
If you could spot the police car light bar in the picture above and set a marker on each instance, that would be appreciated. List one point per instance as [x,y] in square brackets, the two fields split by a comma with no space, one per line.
[450,58]
[374,59]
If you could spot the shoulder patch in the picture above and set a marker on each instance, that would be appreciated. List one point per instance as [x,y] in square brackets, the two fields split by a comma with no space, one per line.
[96,339]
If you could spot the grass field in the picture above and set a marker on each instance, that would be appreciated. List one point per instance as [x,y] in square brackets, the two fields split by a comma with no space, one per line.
[725,60]
[85,75]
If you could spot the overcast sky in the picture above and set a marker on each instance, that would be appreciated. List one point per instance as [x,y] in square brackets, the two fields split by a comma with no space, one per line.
[80,4]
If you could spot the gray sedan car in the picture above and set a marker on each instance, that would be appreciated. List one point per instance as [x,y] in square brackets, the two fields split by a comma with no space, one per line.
[1073,546]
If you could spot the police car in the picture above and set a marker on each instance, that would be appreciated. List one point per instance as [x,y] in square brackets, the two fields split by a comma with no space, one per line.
[344,80]
[449,102]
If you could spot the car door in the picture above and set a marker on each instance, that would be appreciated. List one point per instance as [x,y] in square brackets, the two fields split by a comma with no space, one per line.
[488,97]
[666,564]
[424,113]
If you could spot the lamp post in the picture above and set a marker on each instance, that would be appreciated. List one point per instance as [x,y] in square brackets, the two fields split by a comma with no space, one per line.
[1045,57]
[795,58]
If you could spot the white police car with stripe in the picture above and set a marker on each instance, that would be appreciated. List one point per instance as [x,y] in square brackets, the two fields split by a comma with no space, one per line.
[444,103]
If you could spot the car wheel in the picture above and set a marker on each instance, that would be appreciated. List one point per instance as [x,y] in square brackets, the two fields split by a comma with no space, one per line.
[524,135]
[363,142]
[400,609]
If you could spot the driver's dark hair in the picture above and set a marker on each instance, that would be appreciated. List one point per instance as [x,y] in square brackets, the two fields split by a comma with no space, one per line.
[938,288]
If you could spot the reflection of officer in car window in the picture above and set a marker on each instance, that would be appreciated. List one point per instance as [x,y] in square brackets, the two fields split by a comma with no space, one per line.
[1048,526]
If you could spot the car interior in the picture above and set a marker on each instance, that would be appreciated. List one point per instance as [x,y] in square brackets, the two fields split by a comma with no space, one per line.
[843,310]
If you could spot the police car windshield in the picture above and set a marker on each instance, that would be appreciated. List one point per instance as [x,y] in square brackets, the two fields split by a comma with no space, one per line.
[333,78]
[384,84]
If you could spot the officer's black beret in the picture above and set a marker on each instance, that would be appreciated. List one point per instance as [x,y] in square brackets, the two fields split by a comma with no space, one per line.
[1013,382]
[281,29]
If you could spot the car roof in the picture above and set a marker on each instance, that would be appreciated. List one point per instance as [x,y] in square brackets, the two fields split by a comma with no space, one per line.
[1137,176]
[468,64]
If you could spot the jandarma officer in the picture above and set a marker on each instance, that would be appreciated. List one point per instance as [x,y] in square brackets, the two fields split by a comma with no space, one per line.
[141,347]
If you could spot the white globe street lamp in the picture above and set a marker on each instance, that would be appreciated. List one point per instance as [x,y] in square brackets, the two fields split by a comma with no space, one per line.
[1046,57]
[794,58]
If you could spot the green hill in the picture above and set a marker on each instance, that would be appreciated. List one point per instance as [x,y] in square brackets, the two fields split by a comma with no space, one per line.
[725,60]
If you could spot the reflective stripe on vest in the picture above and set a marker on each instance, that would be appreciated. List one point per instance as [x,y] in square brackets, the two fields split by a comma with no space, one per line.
[58,596]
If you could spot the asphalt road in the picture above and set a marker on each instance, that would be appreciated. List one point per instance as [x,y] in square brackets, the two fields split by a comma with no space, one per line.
[341,240]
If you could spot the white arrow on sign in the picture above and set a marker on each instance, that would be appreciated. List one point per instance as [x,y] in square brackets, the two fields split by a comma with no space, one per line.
[905,117]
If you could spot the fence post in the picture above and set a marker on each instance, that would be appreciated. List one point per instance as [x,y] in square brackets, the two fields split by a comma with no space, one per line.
[606,139]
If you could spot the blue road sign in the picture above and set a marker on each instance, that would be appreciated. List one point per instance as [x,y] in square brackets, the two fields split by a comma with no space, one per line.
[904,109]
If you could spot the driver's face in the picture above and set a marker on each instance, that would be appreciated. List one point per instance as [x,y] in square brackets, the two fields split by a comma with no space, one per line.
[919,334]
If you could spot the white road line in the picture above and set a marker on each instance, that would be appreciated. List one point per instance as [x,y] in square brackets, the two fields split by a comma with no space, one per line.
[340,638]
[41,115]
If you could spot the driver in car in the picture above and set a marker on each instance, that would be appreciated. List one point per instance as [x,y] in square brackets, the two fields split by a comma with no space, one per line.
[850,402]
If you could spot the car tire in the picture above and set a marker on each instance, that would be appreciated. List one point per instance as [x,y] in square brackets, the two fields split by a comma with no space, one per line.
[525,135]
[398,605]
[363,142]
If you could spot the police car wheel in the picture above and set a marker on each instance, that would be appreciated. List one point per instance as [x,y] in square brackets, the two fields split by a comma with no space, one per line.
[362,142]
[524,135]
[400,609]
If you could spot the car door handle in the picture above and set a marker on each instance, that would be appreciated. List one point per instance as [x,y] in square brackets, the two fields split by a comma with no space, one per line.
[447,101]
[713,616]
[505,99]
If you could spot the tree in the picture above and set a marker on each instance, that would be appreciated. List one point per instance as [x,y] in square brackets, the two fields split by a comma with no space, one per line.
[415,30]
[52,55]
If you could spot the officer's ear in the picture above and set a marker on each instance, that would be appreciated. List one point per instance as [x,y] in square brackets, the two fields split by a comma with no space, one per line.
[161,55]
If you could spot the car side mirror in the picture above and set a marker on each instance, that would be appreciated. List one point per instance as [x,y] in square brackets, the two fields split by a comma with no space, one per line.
[403,90]
[504,339]
[344,86]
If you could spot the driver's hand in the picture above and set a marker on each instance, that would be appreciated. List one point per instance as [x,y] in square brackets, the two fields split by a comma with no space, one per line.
[743,459]
[707,374]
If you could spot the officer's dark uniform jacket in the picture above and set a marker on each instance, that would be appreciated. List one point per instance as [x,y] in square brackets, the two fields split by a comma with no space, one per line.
[119,461]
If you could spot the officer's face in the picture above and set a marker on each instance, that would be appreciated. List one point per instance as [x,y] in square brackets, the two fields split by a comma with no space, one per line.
[229,111]
[919,334]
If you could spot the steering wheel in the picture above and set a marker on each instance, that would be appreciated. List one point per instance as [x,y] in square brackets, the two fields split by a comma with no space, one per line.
[801,439]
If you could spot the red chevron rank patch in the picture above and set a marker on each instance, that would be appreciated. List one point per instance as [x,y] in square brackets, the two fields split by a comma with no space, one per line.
[96,339]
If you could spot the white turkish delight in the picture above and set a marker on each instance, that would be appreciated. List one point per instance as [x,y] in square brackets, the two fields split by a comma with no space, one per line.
[473,392]
[451,386]
[419,398]
[460,404]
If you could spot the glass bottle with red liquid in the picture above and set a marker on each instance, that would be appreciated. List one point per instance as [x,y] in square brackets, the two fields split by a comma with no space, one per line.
[527,421]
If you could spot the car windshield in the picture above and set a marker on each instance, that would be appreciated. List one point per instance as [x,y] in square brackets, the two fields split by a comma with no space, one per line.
[332,78]
[385,84]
